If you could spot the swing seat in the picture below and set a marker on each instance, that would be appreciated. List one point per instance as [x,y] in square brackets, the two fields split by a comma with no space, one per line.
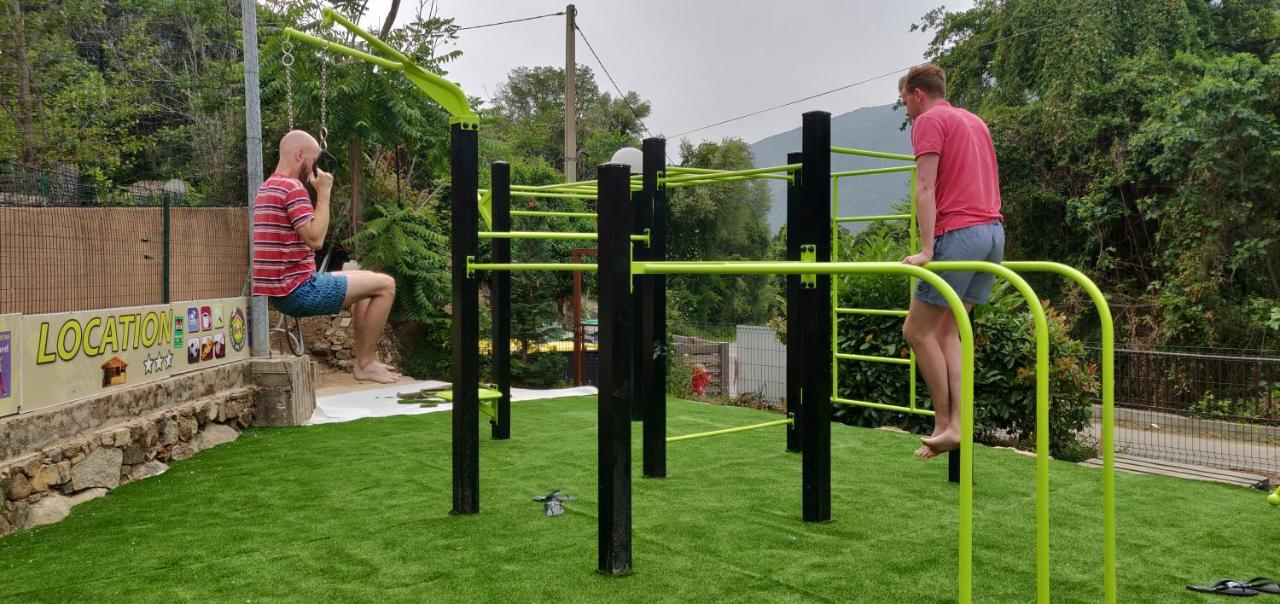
[488,400]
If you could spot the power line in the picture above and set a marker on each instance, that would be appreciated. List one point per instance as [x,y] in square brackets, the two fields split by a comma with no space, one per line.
[611,80]
[559,14]
[848,86]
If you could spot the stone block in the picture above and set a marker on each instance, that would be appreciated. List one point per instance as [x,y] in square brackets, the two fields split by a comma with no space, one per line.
[214,435]
[147,470]
[19,487]
[181,451]
[121,437]
[168,432]
[100,469]
[135,454]
[187,427]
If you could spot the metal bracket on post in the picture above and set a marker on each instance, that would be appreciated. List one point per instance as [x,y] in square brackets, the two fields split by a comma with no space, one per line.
[809,253]
[471,272]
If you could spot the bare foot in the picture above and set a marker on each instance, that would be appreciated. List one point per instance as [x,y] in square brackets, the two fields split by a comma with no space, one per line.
[375,373]
[941,443]
[926,453]
[388,368]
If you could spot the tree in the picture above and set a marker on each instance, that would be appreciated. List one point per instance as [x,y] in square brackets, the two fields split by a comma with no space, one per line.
[724,221]
[527,117]
[1140,135]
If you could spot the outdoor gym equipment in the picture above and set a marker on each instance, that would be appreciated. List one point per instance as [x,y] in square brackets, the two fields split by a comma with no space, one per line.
[1274,498]
[630,236]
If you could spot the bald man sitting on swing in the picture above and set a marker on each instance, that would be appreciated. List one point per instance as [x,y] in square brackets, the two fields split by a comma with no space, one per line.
[287,229]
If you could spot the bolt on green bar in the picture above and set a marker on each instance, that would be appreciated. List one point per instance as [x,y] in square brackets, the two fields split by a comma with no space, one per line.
[856,403]
[872,359]
[865,153]
[873,218]
[551,214]
[779,422]
[873,171]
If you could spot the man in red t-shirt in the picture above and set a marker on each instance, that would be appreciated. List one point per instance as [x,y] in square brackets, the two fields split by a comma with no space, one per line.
[287,230]
[958,210]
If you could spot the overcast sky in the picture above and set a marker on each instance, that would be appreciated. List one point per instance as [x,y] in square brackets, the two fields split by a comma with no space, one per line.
[700,61]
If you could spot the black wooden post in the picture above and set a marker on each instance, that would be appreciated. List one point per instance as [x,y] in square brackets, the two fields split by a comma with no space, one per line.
[814,320]
[795,354]
[652,293]
[614,402]
[500,292]
[464,160]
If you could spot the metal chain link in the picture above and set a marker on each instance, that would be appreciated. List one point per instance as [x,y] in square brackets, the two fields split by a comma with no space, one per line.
[287,60]
[324,89]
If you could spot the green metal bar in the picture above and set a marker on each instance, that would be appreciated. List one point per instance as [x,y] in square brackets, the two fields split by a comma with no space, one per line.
[575,184]
[965,514]
[535,266]
[873,218]
[835,288]
[551,214]
[874,171]
[523,194]
[442,91]
[1108,413]
[898,408]
[729,173]
[710,181]
[685,170]
[871,358]
[779,422]
[871,311]
[914,242]
[338,48]
[550,235]
[865,153]
[1042,408]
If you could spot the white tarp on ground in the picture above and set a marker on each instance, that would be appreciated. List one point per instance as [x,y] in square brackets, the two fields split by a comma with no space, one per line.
[382,402]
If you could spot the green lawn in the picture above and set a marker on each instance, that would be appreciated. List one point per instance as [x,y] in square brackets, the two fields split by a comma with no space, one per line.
[360,512]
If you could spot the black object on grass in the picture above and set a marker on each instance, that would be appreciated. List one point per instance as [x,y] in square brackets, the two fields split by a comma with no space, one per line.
[553,502]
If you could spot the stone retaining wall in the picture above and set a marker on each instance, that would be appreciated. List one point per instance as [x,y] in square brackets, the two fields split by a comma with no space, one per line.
[87,447]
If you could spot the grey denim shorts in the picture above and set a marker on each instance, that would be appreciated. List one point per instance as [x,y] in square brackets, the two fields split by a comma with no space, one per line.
[982,242]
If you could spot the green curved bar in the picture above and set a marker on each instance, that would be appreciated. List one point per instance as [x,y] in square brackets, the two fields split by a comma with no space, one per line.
[1042,408]
[873,171]
[964,590]
[551,214]
[731,173]
[440,90]
[1108,413]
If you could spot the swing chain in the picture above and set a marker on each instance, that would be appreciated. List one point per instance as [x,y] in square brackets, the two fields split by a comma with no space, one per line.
[287,61]
[324,88]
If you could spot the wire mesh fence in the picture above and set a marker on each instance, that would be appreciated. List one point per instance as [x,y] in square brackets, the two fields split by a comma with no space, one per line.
[1215,408]
[68,243]
[728,364]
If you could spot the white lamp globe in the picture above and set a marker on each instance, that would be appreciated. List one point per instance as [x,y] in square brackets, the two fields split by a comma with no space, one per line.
[630,156]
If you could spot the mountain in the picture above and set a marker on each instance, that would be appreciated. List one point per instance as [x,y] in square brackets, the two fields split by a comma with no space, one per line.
[869,128]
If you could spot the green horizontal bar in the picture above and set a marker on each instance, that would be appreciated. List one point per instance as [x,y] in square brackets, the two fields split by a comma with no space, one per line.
[684,170]
[729,173]
[351,52]
[872,359]
[874,171]
[696,183]
[873,218]
[779,422]
[856,403]
[865,153]
[871,311]
[551,214]
[549,235]
[477,266]
[575,184]
[550,194]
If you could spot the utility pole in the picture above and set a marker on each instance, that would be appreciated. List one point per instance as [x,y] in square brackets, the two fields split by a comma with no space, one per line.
[259,334]
[570,97]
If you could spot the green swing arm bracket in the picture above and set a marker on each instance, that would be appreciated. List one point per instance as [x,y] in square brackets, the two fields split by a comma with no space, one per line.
[440,90]
[809,253]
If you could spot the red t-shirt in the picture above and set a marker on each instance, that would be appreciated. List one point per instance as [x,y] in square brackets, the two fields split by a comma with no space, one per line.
[968,186]
[281,259]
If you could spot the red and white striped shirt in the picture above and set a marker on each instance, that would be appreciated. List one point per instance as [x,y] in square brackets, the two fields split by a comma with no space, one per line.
[281,259]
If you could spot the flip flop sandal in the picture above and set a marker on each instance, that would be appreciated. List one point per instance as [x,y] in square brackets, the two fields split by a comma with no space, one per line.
[1263,585]
[1225,587]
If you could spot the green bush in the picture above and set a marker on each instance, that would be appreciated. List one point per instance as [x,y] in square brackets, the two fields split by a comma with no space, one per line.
[1004,360]
[542,370]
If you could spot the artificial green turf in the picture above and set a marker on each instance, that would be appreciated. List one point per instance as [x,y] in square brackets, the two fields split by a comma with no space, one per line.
[360,512]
